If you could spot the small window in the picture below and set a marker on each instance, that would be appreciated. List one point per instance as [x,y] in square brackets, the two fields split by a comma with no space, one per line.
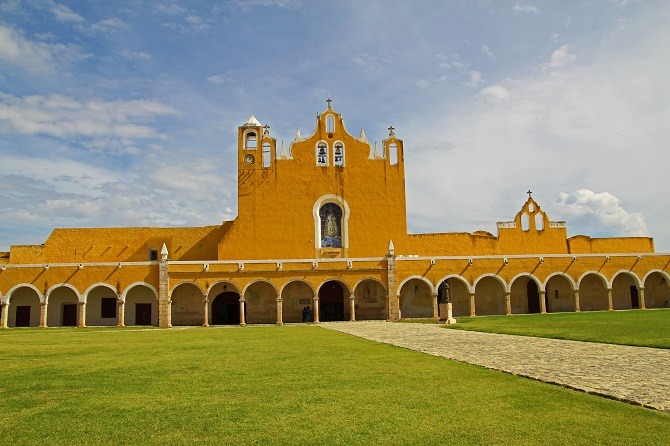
[267,156]
[393,154]
[108,308]
[525,222]
[555,294]
[250,141]
[539,221]
[153,254]
[338,154]
[322,154]
[330,123]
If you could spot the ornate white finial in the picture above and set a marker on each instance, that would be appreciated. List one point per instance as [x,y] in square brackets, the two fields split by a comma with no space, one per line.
[391,248]
[377,154]
[252,122]
[283,154]
[298,136]
[363,137]
[164,252]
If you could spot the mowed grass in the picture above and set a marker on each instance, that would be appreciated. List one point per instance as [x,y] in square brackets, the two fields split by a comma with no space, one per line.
[282,385]
[649,328]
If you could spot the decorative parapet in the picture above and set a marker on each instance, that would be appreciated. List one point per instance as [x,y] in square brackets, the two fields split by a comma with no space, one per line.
[506,225]
[557,224]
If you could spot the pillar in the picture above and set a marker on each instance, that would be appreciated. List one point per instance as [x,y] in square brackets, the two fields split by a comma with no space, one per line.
[242,321]
[472,305]
[543,302]
[392,299]
[164,301]
[82,314]
[508,303]
[205,319]
[3,316]
[280,311]
[316,308]
[576,293]
[352,307]
[436,313]
[120,313]
[43,314]
[640,293]
[609,299]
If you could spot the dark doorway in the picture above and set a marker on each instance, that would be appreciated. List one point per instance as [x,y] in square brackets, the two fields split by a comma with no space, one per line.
[533,297]
[634,298]
[23,316]
[142,314]
[69,315]
[226,309]
[331,302]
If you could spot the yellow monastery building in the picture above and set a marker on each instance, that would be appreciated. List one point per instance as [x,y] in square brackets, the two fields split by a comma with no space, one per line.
[341,253]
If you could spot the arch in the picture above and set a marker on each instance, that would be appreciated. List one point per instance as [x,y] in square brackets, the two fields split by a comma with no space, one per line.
[593,291]
[656,289]
[330,123]
[333,298]
[225,284]
[225,308]
[188,307]
[338,153]
[393,154]
[250,140]
[63,285]
[187,282]
[490,292]
[415,297]
[560,296]
[344,226]
[260,302]
[141,304]
[370,299]
[101,305]
[321,152]
[297,294]
[625,290]
[24,306]
[266,154]
[459,293]
[525,293]
[62,305]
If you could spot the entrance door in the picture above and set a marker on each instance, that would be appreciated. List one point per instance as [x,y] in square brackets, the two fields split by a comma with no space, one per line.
[69,315]
[331,302]
[634,298]
[142,314]
[226,309]
[23,316]
[533,297]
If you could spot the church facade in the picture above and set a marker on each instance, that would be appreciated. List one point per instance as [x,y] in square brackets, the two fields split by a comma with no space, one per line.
[341,253]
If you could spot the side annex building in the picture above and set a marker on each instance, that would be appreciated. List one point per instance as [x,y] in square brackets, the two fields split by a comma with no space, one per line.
[321,228]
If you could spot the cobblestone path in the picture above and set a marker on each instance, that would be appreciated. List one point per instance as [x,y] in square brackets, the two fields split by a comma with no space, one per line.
[636,375]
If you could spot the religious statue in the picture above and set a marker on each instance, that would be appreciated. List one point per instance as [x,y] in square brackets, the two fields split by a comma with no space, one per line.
[332,230]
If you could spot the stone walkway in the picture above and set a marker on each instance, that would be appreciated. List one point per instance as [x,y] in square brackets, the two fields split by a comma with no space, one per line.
[637,375]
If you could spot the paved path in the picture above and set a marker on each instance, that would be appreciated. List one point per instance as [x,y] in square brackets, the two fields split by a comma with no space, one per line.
[637,375]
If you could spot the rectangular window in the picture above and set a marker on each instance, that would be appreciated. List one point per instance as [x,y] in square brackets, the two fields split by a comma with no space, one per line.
[108,307]
[153,254]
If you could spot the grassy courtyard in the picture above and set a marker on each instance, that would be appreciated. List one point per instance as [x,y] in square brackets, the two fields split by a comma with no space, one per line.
[282,385]
[650,328]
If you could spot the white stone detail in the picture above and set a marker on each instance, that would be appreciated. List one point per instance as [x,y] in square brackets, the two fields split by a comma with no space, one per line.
[506,225]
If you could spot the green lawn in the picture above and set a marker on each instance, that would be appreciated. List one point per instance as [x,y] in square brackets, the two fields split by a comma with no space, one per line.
[282,385]
[650,328]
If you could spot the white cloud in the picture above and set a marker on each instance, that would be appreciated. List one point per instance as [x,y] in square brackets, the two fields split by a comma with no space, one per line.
[602,212]
[218,79]
[487,52]
[475,79]
[110,25]
[495,94]
[136,55]
[17,50]
[423,83]
[64,117]
[518,7]
[559,58]
[65,14]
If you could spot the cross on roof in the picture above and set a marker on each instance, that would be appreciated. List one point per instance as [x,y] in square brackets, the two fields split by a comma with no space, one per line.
[529,192]
[391,129]
[267,129]
[329,101]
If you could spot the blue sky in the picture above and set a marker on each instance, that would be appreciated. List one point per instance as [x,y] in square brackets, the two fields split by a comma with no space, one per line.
[125,113]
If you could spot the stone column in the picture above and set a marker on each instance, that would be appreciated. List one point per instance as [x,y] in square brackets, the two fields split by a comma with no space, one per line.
[576,293]
[640,294]
[610,306]
[242,321]
[508,303]
[543,302]
[43,314]
[352,307]
[315,310]
[164,302]
[280,311]
[120,313]
[392,301]
[472,305]
[436,313]
[82,314]
[205,319]
[3,316]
